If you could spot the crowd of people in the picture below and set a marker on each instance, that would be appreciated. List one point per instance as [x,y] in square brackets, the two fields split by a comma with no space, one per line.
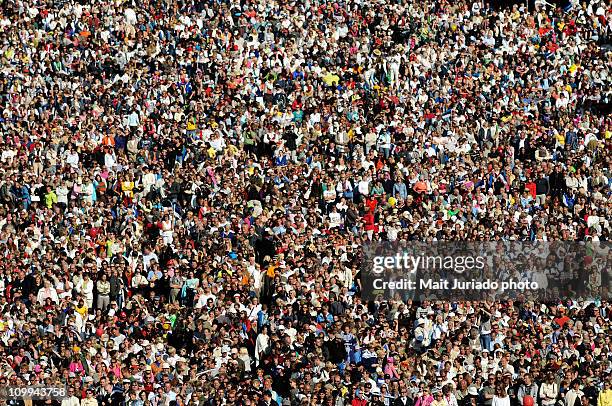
[186,187]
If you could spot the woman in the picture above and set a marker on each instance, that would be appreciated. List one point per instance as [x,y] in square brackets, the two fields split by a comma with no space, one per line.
[605,396]
[77,189]
[438,398]
[116,369]
[189,288]
[100,185]
[88,191]
[127,187]
[424,397]
[448,397]
[47,292]
[501,397]
[167,228]
[262,345]
[76,367]
[86,289]
[103,286]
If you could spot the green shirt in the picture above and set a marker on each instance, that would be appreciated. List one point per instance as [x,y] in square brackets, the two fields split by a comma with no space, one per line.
[50,199]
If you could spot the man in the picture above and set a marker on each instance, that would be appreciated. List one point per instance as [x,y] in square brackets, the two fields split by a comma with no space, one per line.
[488,391]
[176,283]
[267,400]
[402,399]
[133,399]
[549,391]
[572,397]
[527,388]
[89,399]
[116,287]
[70,399]
[542,189]
[50,197]
[556,182]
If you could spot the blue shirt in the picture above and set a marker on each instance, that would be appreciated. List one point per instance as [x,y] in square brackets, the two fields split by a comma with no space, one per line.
[154,274]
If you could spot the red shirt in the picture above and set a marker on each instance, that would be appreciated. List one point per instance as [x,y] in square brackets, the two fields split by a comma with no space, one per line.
[371,203]
[562,320]
[531,186]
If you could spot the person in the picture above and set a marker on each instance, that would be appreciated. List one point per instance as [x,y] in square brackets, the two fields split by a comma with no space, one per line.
[438,398]
[47,292]
[605,396]
[488,390]
[501,397]
[573,396]
[262,345]
[189,288]
[70,399]
[449,398]
[527,388]
[103,288]
[402,399]
[549,390]
[89,399]
[424,397]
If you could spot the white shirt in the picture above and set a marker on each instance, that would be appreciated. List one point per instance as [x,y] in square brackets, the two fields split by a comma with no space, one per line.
[133,120]
[255,274]
[109,161]
[72,159]
[364,187]
[501,401]
[86,288]
[335,219]
[146,259]
[62,194]
[71,401]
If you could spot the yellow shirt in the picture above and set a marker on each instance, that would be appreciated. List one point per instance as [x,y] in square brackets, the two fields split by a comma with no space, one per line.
[191,124]
[127,187]
[605,398]
[232,150]
[560,139]
[81,310]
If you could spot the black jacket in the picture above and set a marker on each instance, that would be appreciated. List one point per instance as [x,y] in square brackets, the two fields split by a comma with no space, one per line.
[398,402]
[541,186]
